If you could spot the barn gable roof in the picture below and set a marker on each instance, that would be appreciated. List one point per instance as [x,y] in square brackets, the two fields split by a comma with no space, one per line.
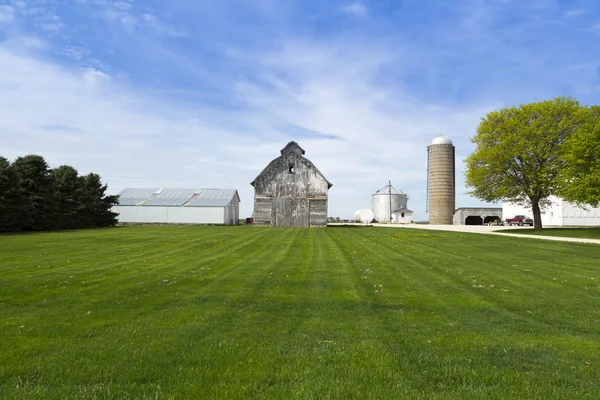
[178,197]
[292,148]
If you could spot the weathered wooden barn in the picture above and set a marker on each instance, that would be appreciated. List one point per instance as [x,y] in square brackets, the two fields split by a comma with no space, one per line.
[291,191]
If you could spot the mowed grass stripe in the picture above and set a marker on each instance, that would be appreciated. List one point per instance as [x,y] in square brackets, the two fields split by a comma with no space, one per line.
[491,304]
[239,312]
[525,281]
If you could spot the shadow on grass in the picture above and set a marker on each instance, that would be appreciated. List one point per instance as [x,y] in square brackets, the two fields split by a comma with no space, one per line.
[26,233]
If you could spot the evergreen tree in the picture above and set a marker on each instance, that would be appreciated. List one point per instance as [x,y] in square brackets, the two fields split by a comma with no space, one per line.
[68,196]
[13,205]
[97,211]
[36,185]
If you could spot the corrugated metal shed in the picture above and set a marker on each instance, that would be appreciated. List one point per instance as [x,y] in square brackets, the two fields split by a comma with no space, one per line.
[133,197]
[179,206]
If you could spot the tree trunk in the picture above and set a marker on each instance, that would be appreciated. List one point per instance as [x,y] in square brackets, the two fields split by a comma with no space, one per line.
[537,214]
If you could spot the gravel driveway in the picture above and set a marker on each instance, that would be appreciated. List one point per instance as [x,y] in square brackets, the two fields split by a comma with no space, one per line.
[489,230]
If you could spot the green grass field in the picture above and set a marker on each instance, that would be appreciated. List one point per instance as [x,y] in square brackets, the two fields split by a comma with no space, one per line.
[588,233]
[248,312]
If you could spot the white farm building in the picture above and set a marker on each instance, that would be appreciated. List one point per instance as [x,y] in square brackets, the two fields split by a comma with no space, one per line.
[560,213]
[178,206]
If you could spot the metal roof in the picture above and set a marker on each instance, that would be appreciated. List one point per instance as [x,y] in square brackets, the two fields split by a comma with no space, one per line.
[212,198]
[170,197]
[133,197]
[402,210]
[178,197]
[388,189]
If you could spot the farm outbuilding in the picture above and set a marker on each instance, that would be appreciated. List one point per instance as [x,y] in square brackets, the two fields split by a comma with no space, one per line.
[477,215]
[558,213]
[291,191]
[402,216]
[178,206]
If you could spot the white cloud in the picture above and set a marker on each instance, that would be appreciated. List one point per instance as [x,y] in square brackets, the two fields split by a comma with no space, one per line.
[357,8]
[94,77]
[89,119]
[384,133]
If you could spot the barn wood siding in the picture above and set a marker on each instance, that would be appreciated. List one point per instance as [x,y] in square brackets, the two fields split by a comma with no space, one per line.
[262,211]
[318,212]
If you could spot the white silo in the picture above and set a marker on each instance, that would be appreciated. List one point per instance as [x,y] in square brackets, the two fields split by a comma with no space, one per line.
[441,181]
[386,201]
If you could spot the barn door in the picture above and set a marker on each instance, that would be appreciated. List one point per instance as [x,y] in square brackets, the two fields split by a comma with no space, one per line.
[300,214]
[282,211]
[288,212]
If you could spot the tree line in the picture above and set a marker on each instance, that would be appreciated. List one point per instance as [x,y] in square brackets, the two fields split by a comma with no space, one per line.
[527,154]
[34,197]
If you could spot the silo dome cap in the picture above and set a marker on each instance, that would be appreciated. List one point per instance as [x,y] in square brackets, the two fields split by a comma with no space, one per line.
[440,140]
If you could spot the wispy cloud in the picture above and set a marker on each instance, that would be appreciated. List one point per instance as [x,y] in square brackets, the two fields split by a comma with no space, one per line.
[7,14]
[123,13]
[356,8]
[41,14]
[575,13]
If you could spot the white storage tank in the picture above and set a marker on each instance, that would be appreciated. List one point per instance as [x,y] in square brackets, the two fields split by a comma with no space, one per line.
[386,201]
[364,215]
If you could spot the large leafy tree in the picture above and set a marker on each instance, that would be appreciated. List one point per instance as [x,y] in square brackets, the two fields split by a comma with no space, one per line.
[518,155]
[580,177]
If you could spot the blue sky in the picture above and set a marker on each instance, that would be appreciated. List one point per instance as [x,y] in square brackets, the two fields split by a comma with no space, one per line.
[192,93]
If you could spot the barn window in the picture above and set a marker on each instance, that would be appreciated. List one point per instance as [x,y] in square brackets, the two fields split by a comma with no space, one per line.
[402,215]
[291,169]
